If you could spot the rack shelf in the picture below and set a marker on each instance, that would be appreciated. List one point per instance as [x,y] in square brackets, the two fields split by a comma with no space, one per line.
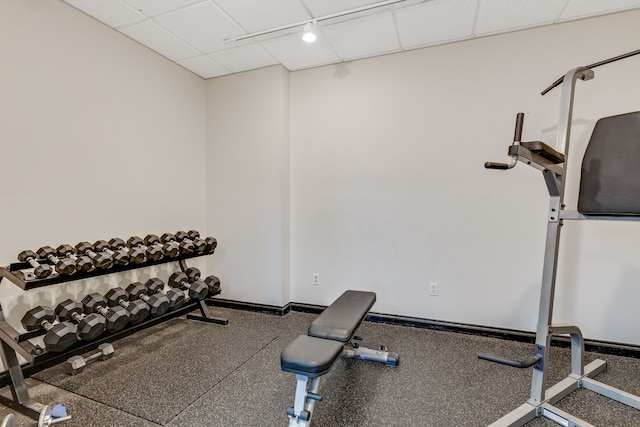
[13,272]
[37,362]
[14,343]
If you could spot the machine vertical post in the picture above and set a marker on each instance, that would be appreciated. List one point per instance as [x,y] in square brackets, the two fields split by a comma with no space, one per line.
[554,225]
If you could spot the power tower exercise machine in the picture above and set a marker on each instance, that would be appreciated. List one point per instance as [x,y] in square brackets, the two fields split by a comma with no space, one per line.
[609,189]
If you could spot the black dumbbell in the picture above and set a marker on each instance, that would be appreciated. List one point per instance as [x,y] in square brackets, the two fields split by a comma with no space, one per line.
[90,326]
[158,303]
[170,250]
[119,256]
[185,247]
[193,274]
[117,316]
[100,259]
[74,365]
[63,265]
[212,244]
[58,337]
[176,297]
[83,262]
[196,290]
[138,309]
[194,235]
[199,245]
[212,282]
[152,252]
[40,270]
[136,254]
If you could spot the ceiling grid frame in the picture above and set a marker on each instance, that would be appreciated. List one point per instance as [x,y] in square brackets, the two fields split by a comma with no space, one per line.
[201,43]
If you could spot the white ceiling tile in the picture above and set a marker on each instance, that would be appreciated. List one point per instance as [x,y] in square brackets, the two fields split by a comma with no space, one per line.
[255,15]
[507,15]
[243,58]
[157,38]
[204,67]
[113,13]
[295,54]
[436,21]
[358,38]
[327,7]
[203,25]
[156,7]
[192,32]
[583,8]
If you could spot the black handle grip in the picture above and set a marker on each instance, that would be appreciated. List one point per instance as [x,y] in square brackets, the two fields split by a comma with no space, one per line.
[517,135]
[494,165]
[514,363]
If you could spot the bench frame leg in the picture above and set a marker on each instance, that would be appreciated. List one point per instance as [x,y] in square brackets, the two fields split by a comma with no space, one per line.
[364,353]
[306,397]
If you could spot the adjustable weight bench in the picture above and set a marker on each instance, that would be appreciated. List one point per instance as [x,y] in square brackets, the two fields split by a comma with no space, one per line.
[311,356]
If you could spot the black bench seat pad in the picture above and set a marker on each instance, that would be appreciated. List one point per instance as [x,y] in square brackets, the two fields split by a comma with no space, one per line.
[310,356]
[340,320]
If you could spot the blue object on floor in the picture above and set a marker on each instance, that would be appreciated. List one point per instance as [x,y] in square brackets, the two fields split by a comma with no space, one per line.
[59,411]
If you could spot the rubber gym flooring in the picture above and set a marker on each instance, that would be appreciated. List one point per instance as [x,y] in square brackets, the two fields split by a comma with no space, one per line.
[189,373]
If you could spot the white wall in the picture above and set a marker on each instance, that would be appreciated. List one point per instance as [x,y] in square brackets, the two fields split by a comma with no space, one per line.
[368,173]
[389,192]
[100,137]
[248,184]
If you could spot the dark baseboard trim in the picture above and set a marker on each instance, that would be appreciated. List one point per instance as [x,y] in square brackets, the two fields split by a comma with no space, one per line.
[306,308]
[249,306]
[603,347]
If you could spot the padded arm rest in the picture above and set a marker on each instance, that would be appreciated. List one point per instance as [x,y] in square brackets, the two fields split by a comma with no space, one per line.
[340,320]
[542,150]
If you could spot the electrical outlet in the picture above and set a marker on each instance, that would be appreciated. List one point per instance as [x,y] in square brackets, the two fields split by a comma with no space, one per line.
[433,289]
[316,279]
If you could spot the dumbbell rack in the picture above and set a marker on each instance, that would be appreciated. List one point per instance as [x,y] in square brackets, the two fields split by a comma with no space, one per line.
[13,343]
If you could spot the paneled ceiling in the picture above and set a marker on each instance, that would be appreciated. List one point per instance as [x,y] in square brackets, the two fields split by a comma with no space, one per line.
[202,35]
